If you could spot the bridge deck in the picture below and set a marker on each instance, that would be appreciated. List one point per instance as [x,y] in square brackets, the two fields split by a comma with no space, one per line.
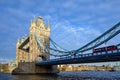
[86,58]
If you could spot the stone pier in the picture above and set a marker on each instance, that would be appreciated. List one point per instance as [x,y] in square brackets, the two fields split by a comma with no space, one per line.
[31,68]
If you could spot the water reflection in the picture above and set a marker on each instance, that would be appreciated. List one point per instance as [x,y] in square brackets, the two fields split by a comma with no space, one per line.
[36,77]
[83,75]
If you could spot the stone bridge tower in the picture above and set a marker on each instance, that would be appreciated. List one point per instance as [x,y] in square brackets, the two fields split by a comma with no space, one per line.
[28,51]
[38,27]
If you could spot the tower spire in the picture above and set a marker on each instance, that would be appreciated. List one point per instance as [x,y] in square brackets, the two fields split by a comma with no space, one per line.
[34,18]
[48,23]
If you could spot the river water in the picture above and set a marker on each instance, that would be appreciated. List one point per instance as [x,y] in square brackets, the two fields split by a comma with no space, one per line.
[83,75]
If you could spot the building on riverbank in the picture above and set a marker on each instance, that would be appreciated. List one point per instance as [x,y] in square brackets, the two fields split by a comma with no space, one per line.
[4,68]
[83,68]
[8,67]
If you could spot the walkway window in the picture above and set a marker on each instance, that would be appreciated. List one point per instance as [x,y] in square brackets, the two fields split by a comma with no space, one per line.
[109,52]
[114,51]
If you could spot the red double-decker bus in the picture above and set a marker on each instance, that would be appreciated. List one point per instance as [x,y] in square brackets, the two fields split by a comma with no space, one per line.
[103,49]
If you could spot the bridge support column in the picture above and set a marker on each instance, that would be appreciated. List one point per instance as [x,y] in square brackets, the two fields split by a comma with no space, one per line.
[31,68]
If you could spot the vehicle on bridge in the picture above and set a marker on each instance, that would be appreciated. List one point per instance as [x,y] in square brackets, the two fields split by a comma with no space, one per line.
[103,49]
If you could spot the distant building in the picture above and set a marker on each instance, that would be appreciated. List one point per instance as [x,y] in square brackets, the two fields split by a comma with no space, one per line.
[82,68]
[12,65]
[5,68]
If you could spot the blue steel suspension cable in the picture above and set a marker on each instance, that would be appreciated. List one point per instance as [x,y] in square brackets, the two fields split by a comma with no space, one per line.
[39,42]
[107,39]
[98,38]
[118,44]
[57,45]
[45,50]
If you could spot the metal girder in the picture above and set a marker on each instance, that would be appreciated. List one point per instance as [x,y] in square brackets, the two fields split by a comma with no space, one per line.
[118,44]
[109,34]
[57,46]
[24,43]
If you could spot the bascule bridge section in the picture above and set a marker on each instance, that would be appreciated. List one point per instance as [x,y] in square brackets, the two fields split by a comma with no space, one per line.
[28,51]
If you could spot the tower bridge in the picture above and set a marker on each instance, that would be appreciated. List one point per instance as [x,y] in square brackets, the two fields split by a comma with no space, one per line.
[33,52]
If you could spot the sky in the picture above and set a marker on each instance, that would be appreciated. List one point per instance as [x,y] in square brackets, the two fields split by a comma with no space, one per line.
[73,22]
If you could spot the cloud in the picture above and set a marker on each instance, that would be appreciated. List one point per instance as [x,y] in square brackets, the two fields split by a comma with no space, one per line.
[66,33]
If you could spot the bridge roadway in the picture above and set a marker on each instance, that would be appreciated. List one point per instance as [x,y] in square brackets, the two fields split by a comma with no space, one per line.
[84,58]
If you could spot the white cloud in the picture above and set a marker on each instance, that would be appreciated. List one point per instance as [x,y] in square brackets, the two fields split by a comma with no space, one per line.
[84,30]
[65,34]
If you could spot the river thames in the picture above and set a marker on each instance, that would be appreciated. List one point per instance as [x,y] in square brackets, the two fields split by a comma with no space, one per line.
[83,75]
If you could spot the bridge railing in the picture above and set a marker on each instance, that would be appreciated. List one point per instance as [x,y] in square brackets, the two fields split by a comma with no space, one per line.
[87,55]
